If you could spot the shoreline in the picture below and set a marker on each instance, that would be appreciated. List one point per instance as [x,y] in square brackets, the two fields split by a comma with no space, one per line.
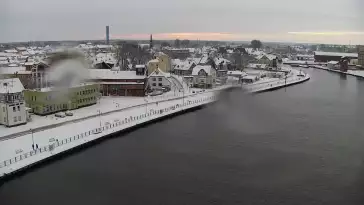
[104,126]
[337,71]
[74,136]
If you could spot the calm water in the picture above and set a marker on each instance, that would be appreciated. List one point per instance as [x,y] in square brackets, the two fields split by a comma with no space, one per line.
[299,145]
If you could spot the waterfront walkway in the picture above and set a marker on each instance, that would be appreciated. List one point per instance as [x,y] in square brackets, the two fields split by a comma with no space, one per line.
[356,73]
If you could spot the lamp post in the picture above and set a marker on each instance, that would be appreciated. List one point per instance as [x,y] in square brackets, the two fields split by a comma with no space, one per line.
[146,105]
[32,138]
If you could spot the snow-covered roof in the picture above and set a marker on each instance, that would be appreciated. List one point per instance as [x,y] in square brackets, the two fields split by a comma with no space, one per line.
[105,57]
[103,46]
[159,73]
[113,75]
[270,56]
[253,65]
[29,63]
[221,60]
[182,64]
[321,53]
[139,66]
[333,62]
[204,59]
[11,70]
[21,48]
[154,61]
[250,77]
[11,51]
[207,68]
[11,85]
[236,72]
[51,88]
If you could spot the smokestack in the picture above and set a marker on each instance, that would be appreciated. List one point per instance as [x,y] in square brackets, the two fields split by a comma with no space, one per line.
[107,35]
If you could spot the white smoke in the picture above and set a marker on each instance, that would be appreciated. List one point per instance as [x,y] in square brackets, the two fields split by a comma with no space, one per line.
[67,72]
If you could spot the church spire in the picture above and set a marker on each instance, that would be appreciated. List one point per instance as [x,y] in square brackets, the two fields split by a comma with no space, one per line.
[151,41]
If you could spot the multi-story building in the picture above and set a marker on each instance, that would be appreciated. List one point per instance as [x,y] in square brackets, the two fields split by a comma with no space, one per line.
[332,56]
[119,83]
[204,76]
[162,61]
[49,100]
[183,67]
[361,56]
[158,80]
[181,53]
[12,105]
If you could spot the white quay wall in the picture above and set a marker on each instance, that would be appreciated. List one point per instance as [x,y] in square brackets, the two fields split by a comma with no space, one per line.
[75,134]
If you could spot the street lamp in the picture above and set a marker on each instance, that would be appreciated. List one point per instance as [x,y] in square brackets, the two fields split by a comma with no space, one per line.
[146,105]
[100,117]
[32,138]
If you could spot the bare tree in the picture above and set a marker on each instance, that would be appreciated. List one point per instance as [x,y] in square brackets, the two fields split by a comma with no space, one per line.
[177,43]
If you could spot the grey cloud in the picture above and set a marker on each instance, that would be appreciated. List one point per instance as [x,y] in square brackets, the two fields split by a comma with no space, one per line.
[83,19]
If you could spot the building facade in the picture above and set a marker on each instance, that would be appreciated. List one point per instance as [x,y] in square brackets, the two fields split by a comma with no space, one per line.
[361,56]
[332,56]
[49,100]
[180,53]
[119,83]
[162,61]
[12,105]
[158,80]
[204,76]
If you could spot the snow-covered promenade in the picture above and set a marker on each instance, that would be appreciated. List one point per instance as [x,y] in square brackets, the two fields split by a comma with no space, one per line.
[356,73]
[275,83]
[52,138]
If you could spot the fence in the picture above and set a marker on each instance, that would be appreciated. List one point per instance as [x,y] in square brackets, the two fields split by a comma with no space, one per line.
[99,130]
[268,85]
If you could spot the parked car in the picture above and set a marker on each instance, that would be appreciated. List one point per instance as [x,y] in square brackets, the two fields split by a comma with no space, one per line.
[69,113]
[60,114]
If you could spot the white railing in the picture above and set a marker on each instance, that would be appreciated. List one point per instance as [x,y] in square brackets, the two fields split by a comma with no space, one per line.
[97,130]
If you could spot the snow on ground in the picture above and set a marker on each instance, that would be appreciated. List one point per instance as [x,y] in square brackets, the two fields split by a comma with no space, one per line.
[106,104]
[356,72]
[269,83]
[17,152]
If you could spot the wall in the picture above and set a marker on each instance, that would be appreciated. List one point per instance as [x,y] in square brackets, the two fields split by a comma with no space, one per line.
[152,66]
[16,114]
[17,152]
[165,63]
[52,101]
[361,55]
[155,81]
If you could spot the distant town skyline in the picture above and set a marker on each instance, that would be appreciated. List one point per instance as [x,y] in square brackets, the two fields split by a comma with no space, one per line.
[310,21]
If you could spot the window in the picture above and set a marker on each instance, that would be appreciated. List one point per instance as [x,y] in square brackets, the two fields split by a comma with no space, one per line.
[19,118]
[14,109]
[160,79]
[18,108]
[154,84]
[15,119]
[153,79]
[160,84]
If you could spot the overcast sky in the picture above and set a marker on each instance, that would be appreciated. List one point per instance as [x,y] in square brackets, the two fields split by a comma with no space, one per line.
[322,21]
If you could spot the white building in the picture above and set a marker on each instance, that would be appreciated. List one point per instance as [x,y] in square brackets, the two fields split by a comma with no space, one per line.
[158,80]
[204,76]
[12,105]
